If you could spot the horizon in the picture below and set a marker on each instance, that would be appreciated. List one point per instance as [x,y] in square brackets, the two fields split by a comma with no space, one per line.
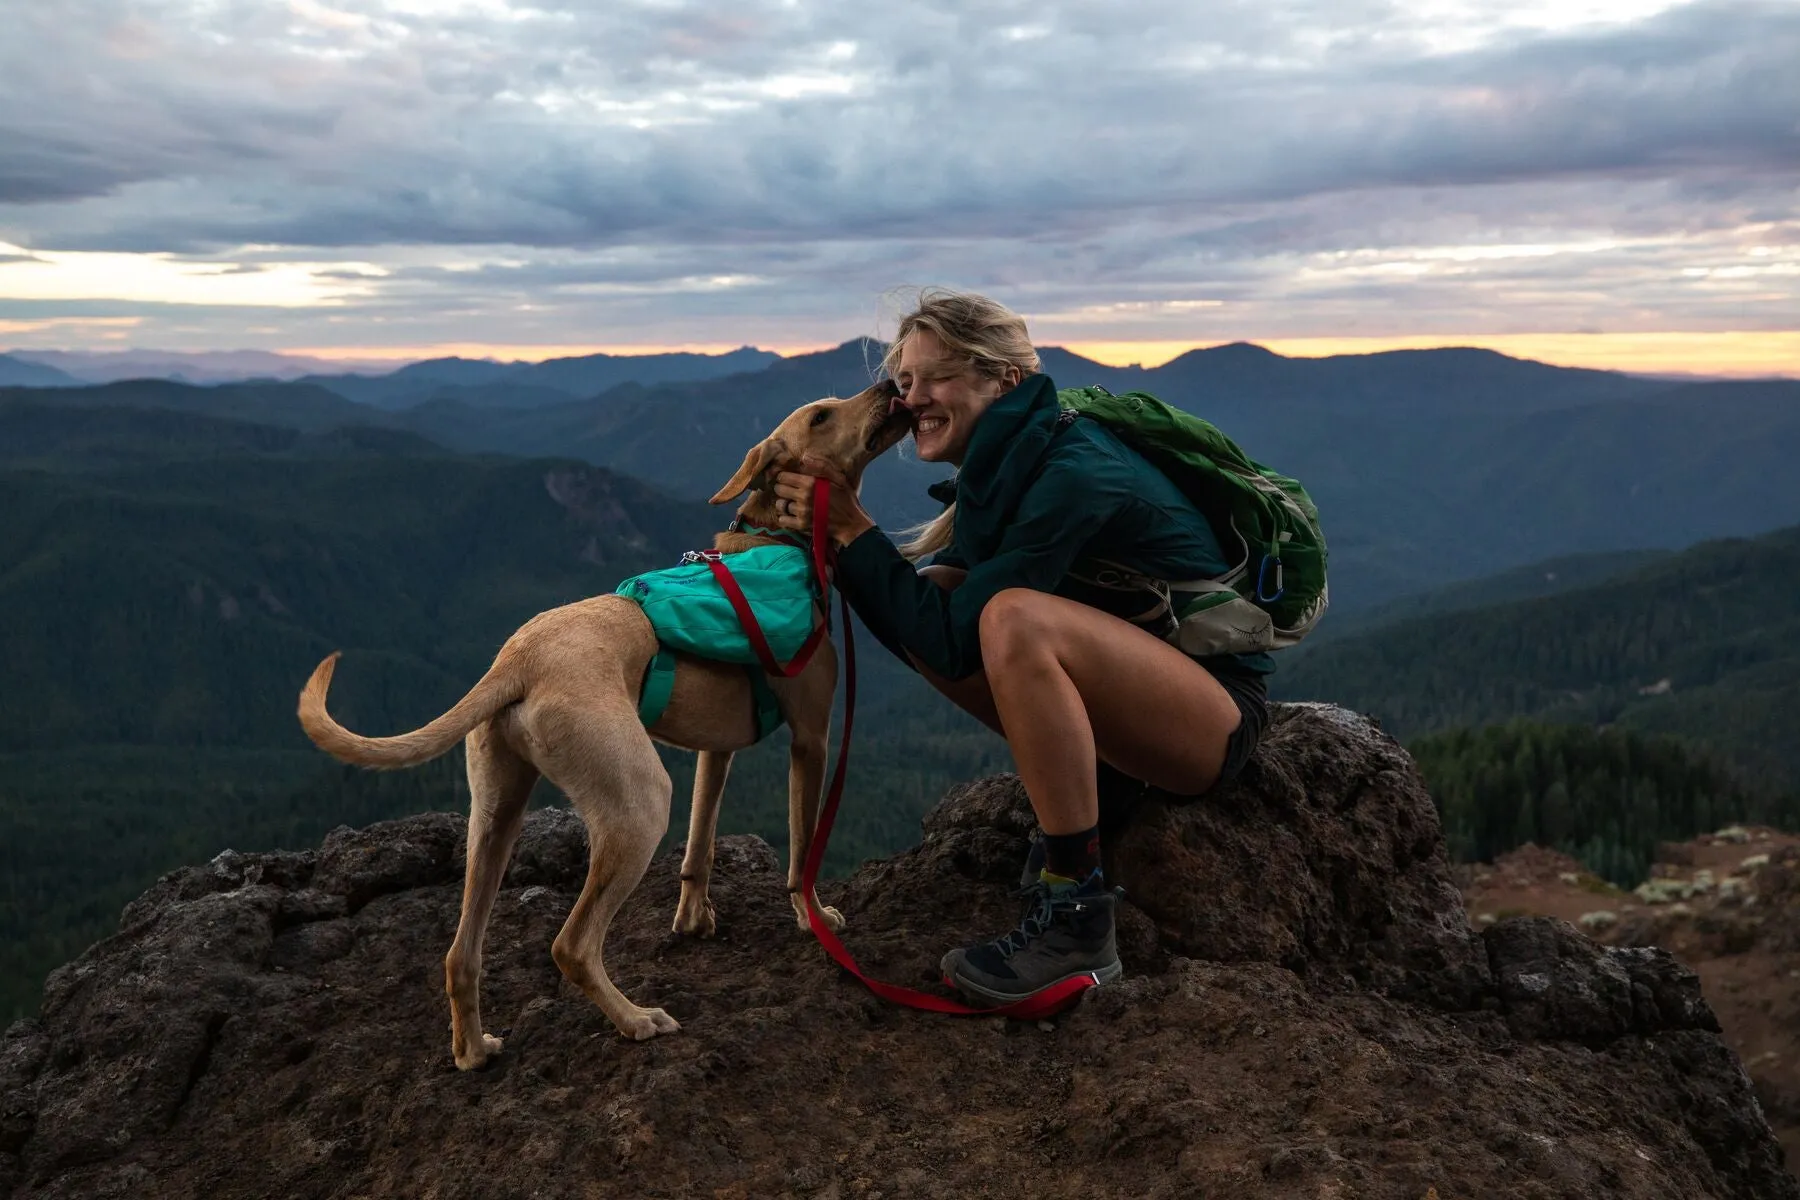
[1671,355]
[1593,183]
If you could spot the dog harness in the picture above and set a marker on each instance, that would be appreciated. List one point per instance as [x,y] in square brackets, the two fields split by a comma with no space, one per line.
[694,613]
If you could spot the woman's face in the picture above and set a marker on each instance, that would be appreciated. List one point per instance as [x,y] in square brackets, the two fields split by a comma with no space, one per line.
[946,397]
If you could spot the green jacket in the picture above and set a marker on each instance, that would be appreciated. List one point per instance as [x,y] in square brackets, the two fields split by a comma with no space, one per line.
[1035,496]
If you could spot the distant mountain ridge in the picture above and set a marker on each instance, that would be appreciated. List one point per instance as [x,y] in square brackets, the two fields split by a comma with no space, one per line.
[580,375]
[1429,466]
[23,372]
[485,384]
[202,367]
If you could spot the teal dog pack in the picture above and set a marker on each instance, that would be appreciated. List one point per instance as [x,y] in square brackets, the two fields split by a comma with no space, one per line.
[691,614]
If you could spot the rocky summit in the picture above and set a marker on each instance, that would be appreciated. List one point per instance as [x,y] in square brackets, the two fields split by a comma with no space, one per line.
[1306,1012]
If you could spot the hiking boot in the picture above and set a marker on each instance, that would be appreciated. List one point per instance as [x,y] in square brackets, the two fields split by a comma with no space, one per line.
[1034,863]
[1067,931]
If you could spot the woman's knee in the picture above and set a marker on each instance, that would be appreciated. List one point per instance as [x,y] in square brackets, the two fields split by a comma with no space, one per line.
[1016,623]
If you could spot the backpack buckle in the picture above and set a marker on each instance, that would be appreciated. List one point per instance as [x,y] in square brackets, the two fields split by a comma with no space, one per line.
[691,557]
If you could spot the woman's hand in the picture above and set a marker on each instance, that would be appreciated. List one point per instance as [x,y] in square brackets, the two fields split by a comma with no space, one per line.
[794,498]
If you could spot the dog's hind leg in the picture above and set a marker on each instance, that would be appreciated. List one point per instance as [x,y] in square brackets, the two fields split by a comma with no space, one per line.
[694,914]
[622,793]
[500,783]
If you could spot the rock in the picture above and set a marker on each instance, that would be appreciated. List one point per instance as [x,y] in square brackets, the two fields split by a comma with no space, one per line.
[1305,1012]
[1324,857]
[1555,983]
[393,856]
[552,851]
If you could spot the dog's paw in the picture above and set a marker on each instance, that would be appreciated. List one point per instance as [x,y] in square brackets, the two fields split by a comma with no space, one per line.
[834,920]
[646,1023]
[696,920]
[473,1059]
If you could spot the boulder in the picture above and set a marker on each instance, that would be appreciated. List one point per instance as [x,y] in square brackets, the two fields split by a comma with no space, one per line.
[1324,857]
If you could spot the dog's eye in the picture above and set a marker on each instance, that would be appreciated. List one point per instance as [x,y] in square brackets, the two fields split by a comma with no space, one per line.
[820,417]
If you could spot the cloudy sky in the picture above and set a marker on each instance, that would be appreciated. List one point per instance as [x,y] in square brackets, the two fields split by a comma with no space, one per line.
[1605,181]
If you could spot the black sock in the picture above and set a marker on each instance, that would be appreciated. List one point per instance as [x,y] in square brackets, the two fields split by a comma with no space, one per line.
[1072,855]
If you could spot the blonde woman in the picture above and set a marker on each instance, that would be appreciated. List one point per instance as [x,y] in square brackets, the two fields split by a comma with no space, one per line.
[1001,623]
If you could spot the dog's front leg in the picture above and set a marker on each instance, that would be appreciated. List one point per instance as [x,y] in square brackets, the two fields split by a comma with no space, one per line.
[694,914]
[806,782]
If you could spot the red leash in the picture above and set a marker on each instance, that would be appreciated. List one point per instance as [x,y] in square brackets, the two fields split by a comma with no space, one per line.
[1035,1007]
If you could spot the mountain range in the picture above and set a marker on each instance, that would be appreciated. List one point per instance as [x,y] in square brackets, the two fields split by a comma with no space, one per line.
[23,372]
[580,375]
[207,366]
[1430,466]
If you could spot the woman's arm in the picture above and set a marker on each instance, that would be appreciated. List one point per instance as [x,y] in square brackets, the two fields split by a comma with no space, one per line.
[1057,516]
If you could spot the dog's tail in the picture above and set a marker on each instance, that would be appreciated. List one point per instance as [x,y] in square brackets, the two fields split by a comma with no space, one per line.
[495,691]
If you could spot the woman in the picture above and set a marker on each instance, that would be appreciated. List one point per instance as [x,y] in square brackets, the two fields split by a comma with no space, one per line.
[1002,623]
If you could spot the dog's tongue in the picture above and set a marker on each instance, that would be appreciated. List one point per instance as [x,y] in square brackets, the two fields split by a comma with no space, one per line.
[894,404]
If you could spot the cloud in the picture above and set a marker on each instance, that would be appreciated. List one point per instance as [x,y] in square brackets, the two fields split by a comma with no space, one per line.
[545,167]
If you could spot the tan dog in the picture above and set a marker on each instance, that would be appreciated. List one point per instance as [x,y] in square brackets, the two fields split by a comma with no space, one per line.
[561,701]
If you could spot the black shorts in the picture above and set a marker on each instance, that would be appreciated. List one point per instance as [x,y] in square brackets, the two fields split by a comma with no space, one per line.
[1251,692]
[1120,794]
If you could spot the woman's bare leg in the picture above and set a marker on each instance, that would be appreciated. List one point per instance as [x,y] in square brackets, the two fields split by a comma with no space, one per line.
[1074,686]
[1069,681]
[1074,683]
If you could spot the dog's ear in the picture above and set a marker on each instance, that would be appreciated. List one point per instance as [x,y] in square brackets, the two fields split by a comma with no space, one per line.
[762,456]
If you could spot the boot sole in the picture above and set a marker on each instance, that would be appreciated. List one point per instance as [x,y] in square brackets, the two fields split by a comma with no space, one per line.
[995,999]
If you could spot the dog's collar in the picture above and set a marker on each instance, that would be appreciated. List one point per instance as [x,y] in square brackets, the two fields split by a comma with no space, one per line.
[791,537]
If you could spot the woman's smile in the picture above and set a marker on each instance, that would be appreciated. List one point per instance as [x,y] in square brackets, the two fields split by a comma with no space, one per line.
[945,397]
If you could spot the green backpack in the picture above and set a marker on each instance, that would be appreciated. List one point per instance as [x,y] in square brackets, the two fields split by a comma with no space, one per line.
[1265,521]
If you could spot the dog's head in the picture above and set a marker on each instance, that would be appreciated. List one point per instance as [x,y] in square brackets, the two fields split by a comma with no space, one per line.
[850,434]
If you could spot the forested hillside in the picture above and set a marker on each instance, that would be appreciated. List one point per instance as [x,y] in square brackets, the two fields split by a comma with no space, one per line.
[1704,644]
[1605,796]
[1654,704]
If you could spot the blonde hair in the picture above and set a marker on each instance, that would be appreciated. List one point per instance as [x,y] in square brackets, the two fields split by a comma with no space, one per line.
[991,338]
